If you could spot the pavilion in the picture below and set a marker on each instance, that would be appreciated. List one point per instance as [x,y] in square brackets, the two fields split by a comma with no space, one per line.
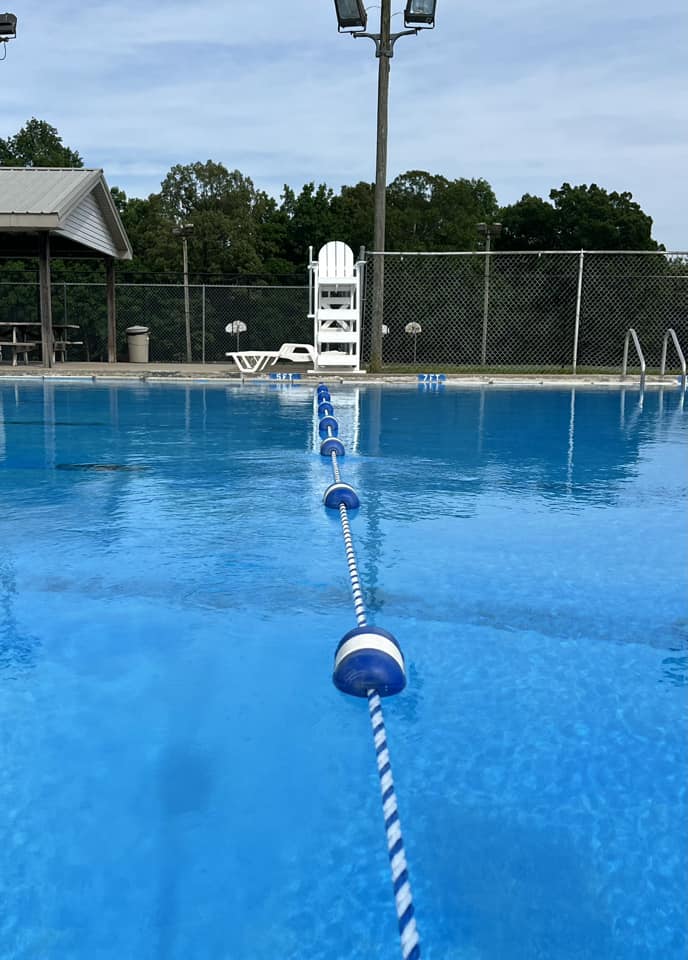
[61,213]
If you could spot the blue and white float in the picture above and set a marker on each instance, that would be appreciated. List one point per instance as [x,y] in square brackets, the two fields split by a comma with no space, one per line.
[369,658]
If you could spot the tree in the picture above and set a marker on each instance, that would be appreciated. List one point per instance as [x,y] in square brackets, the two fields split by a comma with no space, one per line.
[581,217]
[156,250]
[309,220]
[529,224]
[353,215]
[38,144]
[429,212]
[589,217]
[226,211]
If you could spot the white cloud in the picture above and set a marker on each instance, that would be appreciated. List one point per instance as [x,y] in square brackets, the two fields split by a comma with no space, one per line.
[526,93]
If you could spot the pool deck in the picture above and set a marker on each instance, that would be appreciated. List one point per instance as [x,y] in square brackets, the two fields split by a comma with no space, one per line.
[198,372]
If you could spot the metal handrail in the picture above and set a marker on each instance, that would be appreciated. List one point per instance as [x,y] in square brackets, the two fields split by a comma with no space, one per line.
[636,343]
[672,333]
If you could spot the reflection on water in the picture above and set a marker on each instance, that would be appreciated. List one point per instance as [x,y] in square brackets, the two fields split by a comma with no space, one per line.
[561,444]
[564,443]
[542,509]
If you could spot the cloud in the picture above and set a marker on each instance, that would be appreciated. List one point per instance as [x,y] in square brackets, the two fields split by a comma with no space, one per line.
[525,93]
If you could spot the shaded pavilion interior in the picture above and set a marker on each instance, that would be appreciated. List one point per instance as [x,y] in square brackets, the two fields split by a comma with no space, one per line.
[49,214]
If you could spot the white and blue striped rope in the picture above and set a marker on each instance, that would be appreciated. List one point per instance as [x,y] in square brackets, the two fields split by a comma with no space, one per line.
[408,931]
[356,590]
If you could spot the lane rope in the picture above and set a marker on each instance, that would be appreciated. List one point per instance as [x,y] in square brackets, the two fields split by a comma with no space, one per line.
[369,663]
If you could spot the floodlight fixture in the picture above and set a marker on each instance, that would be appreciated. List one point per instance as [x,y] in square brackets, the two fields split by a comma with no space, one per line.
[351,14]
[420,14]
[489,229]
[8,26]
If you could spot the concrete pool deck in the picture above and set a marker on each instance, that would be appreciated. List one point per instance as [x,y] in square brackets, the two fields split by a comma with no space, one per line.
[219,372]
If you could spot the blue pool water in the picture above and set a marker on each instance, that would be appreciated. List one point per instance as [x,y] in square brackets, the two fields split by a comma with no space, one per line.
[179,779]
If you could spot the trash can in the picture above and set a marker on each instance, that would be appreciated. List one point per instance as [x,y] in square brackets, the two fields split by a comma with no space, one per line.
[137,341]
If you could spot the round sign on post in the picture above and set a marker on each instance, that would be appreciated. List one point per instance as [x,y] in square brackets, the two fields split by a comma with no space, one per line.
[413,328]
[237,327]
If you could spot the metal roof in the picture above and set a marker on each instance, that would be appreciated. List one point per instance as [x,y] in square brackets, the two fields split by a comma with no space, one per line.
[70,202]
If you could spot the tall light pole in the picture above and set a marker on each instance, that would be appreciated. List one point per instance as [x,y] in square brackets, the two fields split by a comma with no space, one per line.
[487,230]
[352,18]
[184,231]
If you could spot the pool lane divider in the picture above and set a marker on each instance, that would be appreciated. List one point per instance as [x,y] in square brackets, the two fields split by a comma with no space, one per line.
[369,663]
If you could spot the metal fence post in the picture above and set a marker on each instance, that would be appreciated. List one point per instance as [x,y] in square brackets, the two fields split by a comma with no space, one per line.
[486,302]
[579,296]
[203,324]
[187,317]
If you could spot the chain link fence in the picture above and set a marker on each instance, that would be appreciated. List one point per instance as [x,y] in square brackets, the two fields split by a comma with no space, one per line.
[539,311]
[263,316]
[529,311]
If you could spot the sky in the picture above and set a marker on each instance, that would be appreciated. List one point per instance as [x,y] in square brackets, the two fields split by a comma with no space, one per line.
[527,94]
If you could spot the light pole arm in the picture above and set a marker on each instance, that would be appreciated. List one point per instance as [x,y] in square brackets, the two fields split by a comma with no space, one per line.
[385,47]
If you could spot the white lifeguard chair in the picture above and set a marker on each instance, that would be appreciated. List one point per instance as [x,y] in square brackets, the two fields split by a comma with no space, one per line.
[335,306]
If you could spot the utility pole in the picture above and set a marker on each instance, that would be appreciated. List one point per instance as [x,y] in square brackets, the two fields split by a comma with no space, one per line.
[183,231]
[384,55]
[352,17]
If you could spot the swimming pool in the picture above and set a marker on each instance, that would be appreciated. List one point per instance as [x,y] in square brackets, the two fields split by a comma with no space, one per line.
[180,779]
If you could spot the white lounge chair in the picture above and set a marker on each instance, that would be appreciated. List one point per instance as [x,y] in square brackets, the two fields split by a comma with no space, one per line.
[297,353]
[253,361]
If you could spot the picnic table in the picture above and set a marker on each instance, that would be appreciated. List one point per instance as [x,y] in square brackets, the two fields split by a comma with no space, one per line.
[20,338]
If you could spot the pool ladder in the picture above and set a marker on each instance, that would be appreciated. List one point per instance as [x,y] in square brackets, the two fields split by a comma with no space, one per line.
[630,333]
[670,334]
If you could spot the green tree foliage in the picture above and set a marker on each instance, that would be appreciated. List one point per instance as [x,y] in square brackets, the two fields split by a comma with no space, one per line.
[309,220]
[426,212]
[594,219]
[38,144]
[529,224]
[157,252]
[581,217]
[240,231]
[227,214]
[353,210]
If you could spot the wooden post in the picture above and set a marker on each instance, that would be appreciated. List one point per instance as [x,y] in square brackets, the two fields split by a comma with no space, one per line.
[45,299]
[111,310]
